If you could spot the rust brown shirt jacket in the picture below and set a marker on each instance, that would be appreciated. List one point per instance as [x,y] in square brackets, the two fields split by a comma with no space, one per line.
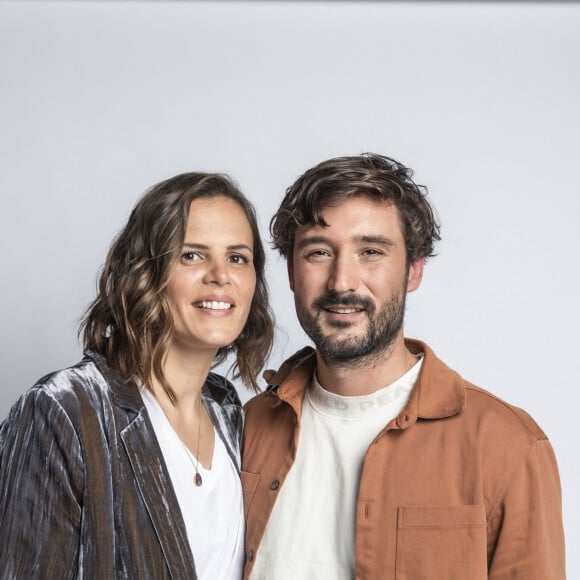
[460,486]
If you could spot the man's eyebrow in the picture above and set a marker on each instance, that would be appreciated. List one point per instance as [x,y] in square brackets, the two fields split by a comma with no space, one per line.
[378,239]
[367,239]
[310,240]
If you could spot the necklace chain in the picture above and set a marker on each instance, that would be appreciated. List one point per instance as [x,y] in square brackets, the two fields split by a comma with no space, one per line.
[197,479]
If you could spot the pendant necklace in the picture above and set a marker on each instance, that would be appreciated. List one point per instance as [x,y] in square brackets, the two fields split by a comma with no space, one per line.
[197,479]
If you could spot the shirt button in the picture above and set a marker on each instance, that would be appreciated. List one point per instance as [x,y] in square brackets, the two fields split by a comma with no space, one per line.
[275,485]
[249,555]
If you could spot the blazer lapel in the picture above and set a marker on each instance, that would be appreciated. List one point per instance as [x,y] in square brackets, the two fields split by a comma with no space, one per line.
[158,496]
[151,475]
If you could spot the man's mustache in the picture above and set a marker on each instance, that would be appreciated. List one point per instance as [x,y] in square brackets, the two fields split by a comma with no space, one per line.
[332,300]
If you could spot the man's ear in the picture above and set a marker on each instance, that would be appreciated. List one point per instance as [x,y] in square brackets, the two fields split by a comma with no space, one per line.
[415,274]
[290,274]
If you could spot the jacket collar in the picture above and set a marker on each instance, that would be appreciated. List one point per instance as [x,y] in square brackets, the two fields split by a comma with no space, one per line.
[125,393]
[149,470]
[439,391]
[218,395]
[292,378]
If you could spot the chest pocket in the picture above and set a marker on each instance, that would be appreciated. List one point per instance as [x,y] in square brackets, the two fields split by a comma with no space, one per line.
[441,542]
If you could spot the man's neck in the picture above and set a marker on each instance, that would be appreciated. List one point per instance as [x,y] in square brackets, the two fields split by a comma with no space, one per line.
[358,379]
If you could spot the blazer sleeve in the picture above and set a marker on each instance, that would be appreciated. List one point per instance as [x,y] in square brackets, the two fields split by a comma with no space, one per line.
[526,528]
[41,481]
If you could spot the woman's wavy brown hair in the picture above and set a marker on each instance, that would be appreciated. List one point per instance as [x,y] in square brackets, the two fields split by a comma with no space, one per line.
[130,322]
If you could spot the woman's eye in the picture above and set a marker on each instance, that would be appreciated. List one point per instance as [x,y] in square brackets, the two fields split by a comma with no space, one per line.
[238,259]
[190,256]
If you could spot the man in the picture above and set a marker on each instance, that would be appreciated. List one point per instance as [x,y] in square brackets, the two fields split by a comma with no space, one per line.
[369,458]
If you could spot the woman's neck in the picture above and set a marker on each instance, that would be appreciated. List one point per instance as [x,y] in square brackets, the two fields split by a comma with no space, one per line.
[186,373]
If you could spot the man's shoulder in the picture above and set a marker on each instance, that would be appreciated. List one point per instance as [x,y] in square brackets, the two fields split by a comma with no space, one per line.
[257,402]
[475,407]
[285,384]
[275,378]
[490,410]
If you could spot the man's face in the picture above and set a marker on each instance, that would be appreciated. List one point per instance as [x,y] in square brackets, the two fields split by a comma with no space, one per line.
[350,280]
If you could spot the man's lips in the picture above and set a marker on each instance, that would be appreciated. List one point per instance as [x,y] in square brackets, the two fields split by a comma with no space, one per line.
[344,309]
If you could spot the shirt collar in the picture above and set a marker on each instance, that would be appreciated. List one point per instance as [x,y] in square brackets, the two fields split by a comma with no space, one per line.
[439,391]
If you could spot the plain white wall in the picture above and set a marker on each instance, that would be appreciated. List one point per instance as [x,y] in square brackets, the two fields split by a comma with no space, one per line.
[99,100]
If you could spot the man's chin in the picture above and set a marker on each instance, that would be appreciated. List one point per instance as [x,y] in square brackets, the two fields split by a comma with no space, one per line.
[339,324]
[343,335]
[341,345]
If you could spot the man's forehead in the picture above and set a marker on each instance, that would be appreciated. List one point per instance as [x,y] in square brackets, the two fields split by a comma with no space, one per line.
[352,210]
[364,221]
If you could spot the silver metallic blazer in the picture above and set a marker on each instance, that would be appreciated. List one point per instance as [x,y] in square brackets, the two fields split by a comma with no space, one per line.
[84,490]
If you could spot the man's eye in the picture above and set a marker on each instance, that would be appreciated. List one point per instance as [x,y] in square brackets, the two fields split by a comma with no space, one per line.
[317,255]
[371,252]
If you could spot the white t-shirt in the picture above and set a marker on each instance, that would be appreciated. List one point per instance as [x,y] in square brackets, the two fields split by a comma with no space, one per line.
[311,531]
[213,513]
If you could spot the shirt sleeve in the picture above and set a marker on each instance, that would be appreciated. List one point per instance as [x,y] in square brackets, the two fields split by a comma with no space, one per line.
[525,531]
[41,480]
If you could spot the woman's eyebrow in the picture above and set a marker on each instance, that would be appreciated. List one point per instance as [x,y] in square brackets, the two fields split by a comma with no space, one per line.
[196,246]
[240,247]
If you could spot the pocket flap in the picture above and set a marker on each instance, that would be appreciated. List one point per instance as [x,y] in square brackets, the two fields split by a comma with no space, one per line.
[441,516]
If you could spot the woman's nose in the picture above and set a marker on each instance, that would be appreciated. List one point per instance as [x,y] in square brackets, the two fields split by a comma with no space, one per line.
[217,273]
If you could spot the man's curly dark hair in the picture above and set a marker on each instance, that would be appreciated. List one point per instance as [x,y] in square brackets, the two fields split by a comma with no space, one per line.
[332,182]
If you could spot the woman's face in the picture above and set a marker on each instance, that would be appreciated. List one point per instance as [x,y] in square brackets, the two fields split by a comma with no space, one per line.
[212,282]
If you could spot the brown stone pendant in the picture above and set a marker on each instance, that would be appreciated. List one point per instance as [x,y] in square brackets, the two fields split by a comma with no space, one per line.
[198,480]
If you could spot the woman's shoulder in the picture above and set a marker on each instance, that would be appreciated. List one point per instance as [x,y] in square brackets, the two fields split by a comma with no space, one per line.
[81,377]
[71,389]
[221,390]
[52,404]
[82,398]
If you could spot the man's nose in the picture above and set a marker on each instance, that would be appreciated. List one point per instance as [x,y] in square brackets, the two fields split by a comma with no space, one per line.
[344,276]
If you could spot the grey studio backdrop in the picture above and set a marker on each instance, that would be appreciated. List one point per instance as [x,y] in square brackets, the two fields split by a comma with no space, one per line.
[99,100]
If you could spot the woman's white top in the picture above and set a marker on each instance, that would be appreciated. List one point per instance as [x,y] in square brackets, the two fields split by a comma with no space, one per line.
[213,512]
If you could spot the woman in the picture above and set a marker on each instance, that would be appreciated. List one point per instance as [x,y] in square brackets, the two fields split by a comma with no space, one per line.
[127,464]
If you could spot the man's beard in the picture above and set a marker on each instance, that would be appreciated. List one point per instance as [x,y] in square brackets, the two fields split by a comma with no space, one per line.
[354,351]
